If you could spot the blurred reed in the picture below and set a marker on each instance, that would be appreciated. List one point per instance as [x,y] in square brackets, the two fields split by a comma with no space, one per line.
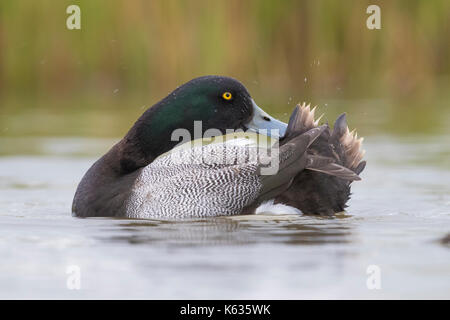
[129,54]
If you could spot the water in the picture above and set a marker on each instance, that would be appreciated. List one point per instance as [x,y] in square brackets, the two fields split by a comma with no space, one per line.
[397,217]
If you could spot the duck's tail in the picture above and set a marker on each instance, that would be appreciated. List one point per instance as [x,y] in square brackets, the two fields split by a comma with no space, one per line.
[337,153]
[334,160]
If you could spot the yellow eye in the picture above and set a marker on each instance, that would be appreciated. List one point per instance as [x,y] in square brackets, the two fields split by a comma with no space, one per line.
[227,96]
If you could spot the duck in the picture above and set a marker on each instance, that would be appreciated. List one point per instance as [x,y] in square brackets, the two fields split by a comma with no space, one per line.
[147,176]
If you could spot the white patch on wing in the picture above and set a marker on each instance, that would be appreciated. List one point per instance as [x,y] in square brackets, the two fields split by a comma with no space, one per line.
[268,207]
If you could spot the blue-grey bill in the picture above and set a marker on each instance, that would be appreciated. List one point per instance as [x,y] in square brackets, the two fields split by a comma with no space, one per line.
[263,123]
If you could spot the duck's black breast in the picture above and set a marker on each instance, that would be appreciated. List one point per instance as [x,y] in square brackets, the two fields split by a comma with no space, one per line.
[105,188]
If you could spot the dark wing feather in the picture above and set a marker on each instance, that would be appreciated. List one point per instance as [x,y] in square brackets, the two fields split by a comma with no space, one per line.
[334,161]
[293,159]
[327,165]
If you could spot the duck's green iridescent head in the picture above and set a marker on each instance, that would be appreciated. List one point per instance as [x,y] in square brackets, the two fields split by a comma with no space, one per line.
[220,103]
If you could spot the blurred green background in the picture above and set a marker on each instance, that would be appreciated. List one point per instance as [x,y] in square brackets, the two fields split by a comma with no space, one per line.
[129,54]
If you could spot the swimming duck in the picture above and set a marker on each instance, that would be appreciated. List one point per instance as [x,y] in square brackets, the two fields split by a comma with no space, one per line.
[139,178]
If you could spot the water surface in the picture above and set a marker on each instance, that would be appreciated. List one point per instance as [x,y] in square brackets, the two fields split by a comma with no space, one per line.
[397,217]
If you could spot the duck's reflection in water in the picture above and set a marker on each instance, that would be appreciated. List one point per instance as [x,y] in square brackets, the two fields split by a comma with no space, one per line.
[238,230]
